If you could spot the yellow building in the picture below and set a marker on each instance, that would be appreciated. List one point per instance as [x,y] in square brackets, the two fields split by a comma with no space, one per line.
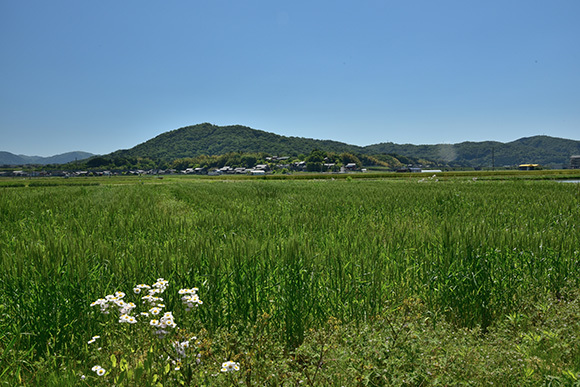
[529,167]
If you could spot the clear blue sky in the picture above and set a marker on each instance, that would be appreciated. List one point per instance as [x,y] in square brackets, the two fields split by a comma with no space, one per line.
[105,75]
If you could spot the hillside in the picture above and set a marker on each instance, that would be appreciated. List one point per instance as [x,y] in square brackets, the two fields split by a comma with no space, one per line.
[208,139]
[7,158]
[212,140]
[545,150]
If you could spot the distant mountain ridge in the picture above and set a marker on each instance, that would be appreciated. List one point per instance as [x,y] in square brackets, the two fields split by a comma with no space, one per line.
[208,139]
[7,158]
[545,150]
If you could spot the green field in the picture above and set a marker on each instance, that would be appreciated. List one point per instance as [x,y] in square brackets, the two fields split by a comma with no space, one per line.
[450,280]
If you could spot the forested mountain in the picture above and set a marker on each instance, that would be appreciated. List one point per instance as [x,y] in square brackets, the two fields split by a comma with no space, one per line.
[544,150]
[211,140]
[7,158]
[208,139]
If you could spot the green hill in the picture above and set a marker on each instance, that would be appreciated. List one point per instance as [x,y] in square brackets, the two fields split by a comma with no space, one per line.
[7,158]
[208,139]
[545,150]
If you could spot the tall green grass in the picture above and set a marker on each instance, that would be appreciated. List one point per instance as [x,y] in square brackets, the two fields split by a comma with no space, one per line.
[299,251]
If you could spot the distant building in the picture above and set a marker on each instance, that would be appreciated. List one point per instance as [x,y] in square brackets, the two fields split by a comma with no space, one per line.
[299,165]
[575,162]
[226,169]
[528,167]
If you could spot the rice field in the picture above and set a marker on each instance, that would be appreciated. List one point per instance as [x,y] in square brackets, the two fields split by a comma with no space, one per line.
[301,257]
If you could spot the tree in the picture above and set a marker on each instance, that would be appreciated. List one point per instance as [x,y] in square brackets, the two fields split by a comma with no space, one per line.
[348,158]
[316,156]
[313,167]
[98,161]
[248,161]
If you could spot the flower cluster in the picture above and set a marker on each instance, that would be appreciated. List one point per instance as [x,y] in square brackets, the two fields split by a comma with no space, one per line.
[125,318]
[116,300]
[429,178]
[137,289]
[162,321]
[190,298]
[103,303]
[230,366]
[152,299]
[180,348]
[125,308]
[157,288]
[99,370]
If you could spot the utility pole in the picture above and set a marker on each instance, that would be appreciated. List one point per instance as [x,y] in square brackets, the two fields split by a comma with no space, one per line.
[493,159]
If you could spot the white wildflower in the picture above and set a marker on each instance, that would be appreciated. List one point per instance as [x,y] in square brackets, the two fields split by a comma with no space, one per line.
[99,370]
[93,339]
[230,366]
[125,318]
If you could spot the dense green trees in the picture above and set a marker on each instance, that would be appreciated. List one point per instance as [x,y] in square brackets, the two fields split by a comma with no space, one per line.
[544,150]
[96,162]
[209,139]
[232,159]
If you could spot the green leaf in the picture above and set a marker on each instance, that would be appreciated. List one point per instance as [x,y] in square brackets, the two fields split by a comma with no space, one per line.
[138,372]
[123,364]
[113,360]
[119,379]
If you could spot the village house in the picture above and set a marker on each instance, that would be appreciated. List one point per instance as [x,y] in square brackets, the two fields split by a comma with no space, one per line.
[226,169]
[299,165]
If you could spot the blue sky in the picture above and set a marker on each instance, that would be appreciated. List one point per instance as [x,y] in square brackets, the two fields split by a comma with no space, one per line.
[105,75]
